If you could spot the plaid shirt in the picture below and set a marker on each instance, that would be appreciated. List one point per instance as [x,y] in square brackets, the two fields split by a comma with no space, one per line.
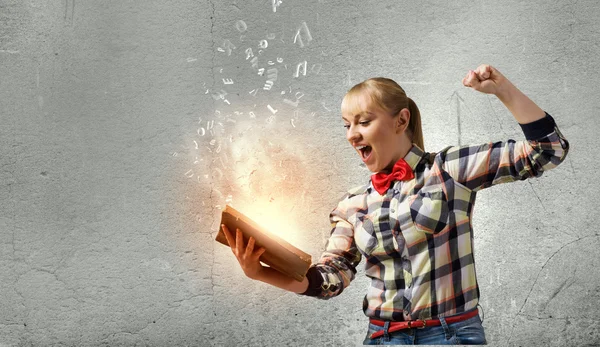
[417,239]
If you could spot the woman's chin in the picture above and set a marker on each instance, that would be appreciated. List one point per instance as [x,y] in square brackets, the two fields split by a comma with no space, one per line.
[373,168]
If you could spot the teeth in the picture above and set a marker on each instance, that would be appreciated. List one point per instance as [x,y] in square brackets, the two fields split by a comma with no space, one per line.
[361,147]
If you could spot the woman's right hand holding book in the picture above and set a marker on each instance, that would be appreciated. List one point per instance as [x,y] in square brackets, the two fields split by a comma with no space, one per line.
[245,254]
[250,263]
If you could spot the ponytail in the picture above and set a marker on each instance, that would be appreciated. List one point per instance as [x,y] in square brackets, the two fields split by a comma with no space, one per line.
[415,124]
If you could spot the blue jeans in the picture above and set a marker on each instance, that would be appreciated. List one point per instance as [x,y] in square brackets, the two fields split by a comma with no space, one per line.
[466,332]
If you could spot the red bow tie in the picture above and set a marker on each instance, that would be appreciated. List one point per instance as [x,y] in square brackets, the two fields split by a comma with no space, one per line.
[401,172]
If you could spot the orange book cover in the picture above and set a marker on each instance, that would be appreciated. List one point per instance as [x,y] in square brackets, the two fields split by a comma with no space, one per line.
[279,254]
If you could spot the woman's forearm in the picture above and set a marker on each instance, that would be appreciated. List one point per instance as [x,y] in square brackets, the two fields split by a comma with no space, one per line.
[277,279]
[522,108]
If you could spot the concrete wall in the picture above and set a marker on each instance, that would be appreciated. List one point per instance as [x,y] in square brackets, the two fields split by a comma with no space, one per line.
[122,137]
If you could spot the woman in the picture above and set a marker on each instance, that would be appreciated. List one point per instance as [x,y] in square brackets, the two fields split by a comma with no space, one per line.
[412,222]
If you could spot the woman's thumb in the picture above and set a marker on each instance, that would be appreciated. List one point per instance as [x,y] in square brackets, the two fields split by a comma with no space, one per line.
[471,80]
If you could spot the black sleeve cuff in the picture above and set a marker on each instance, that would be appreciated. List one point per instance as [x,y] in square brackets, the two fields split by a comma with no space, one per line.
[314,282]
[539,128]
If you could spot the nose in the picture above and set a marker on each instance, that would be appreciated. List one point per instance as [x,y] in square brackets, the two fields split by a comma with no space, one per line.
[352,134]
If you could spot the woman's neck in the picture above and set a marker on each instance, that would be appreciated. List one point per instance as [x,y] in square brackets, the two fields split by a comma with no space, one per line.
[404,146]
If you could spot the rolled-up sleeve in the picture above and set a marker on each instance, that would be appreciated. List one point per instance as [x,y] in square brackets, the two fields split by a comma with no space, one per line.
[336,267]
[482,166]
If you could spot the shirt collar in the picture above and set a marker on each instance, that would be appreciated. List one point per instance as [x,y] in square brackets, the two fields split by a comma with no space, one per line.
[413,157]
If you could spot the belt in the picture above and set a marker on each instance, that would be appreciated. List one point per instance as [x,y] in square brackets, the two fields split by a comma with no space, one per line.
[419,323]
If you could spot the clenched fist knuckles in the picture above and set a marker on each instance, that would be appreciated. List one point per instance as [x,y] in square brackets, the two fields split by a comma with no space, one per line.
[485,79]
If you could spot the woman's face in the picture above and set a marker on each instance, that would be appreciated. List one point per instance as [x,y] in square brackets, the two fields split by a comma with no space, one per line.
[374,135]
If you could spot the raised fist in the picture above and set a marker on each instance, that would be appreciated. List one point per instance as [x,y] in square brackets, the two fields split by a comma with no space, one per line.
[485,79]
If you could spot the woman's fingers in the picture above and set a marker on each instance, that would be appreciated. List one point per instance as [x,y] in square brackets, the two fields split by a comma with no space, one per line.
[483,72]
[486,79]
[239,242]
[475,77]
[244,253]
[228,236]
[471,80]
[251,253]
[259,252]
[466,79]
[249,248]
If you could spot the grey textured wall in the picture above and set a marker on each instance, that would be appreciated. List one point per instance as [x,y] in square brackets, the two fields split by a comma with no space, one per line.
[125,126]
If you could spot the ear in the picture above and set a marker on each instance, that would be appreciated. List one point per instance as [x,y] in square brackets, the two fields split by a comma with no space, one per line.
[402,120]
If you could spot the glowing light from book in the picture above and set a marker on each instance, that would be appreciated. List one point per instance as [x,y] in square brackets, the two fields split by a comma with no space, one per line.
[273,221]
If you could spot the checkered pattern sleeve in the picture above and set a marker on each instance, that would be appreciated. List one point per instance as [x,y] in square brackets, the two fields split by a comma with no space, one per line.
[478,167]
[337,266]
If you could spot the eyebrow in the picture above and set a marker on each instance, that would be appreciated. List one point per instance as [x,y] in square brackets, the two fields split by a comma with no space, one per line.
[358,115]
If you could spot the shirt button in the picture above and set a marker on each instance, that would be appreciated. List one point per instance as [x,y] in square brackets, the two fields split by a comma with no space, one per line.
[393,211]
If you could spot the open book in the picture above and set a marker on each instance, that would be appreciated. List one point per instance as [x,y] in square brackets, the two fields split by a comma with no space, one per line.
[279,254]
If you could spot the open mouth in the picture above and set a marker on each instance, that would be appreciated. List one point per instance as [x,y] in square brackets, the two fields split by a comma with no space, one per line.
[365,152]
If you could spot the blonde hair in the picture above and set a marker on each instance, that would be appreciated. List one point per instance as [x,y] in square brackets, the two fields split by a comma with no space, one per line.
[390,97]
